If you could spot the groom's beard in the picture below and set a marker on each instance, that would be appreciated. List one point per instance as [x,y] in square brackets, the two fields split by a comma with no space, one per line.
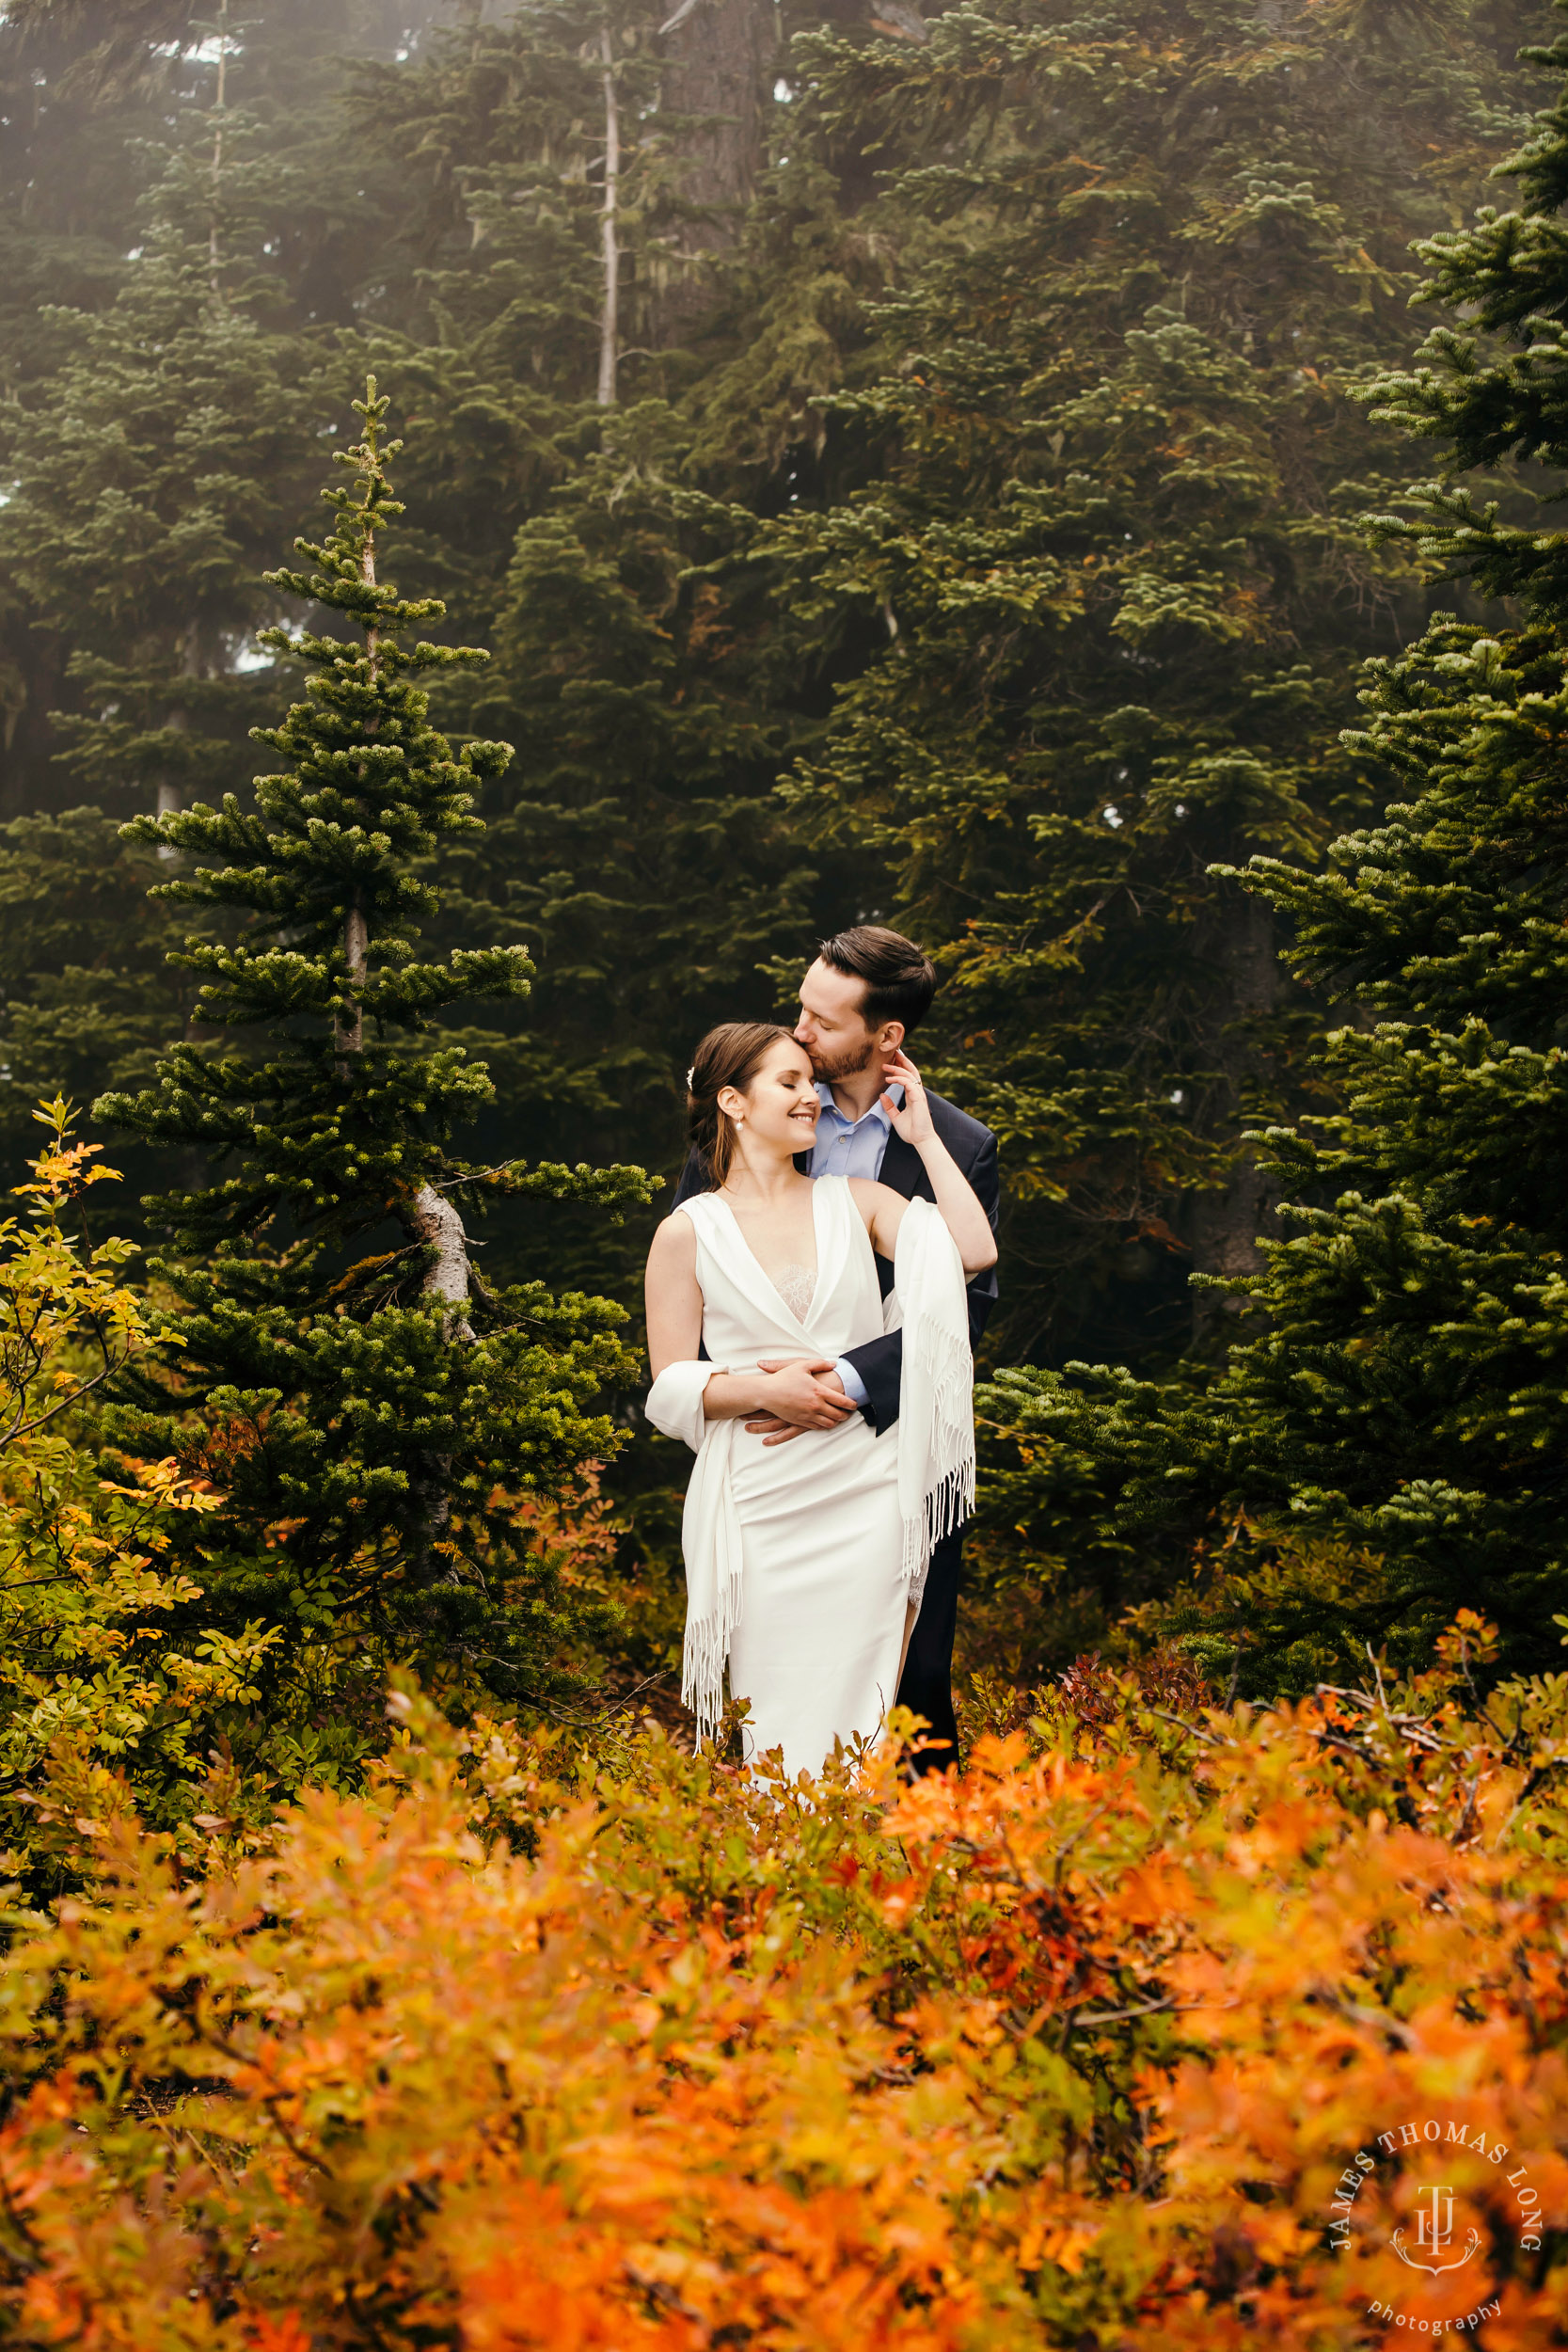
[829,1068]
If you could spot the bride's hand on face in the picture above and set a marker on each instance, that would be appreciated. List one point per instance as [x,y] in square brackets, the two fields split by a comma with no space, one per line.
[914,1121]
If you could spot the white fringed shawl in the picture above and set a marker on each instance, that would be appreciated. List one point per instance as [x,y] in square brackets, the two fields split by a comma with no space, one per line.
[710,1536]
[936,1398]
[936,1453]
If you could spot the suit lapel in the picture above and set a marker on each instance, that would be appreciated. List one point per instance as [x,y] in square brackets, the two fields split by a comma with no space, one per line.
[904,1171]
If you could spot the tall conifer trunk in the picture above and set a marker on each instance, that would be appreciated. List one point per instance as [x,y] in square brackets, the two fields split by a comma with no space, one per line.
[215,250]
[609,317]
[716,59]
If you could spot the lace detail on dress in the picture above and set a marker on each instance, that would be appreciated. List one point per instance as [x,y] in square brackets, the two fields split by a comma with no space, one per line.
[797,1286]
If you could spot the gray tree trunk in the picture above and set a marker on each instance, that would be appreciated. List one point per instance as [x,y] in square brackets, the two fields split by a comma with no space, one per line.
[610,314]
[435,1219]
[718,55]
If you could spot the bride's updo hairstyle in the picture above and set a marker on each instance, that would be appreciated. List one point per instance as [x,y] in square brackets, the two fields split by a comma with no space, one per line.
[730,1055]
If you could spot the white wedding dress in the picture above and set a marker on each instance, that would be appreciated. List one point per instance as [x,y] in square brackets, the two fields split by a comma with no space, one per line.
[801,1558]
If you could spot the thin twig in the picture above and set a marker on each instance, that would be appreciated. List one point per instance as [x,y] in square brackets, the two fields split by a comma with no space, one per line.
[1377,2018]
[1213,1736]
[1377,1671]
[1150,2008]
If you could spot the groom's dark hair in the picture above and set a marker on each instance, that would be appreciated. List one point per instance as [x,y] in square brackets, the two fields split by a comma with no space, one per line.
[900,980]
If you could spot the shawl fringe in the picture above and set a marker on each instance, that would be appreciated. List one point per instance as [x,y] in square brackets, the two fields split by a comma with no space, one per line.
[936,1406]
[713,1578]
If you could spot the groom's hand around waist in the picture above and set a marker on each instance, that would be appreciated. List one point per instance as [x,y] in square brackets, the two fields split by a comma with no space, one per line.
[805,1393]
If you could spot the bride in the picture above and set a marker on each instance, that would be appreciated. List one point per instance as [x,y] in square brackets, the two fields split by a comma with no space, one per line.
[805,1561]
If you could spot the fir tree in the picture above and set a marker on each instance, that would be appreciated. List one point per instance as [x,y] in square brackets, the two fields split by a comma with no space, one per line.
[653,690]
[158,449]
[1402,1405]
[374,1411]
[1095,606]
[638,848]
[132,547]
[519,256]
[85,987]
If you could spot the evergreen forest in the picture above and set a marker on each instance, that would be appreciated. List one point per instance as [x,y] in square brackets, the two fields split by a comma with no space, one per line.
[519,519]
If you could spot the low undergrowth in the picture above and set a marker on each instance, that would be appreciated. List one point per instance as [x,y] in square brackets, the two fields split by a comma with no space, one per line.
[628,2048]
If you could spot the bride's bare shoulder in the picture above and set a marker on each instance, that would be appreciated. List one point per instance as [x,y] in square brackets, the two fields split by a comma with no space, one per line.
[674,1243]
[870,1193]
[882,1211]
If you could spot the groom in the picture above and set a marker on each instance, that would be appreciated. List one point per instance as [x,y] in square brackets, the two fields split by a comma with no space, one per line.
[868,989]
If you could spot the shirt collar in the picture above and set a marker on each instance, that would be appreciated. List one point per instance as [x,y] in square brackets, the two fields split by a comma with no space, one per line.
[825,1096]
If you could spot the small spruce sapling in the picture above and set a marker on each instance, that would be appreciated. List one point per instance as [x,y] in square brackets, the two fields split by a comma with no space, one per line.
[377,1410]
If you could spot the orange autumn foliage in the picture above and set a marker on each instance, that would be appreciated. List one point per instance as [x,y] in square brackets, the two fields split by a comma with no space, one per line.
[657,2053]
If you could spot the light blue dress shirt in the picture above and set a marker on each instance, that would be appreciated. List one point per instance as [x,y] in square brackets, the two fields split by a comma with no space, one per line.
[850,1146]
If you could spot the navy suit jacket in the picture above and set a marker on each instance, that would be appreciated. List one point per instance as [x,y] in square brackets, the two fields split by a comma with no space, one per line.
[881,1361]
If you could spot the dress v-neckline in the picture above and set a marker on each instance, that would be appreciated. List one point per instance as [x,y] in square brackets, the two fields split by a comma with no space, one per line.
[800,1322]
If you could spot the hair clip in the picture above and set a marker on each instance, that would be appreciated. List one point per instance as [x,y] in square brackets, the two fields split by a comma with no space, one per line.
[688,1078]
